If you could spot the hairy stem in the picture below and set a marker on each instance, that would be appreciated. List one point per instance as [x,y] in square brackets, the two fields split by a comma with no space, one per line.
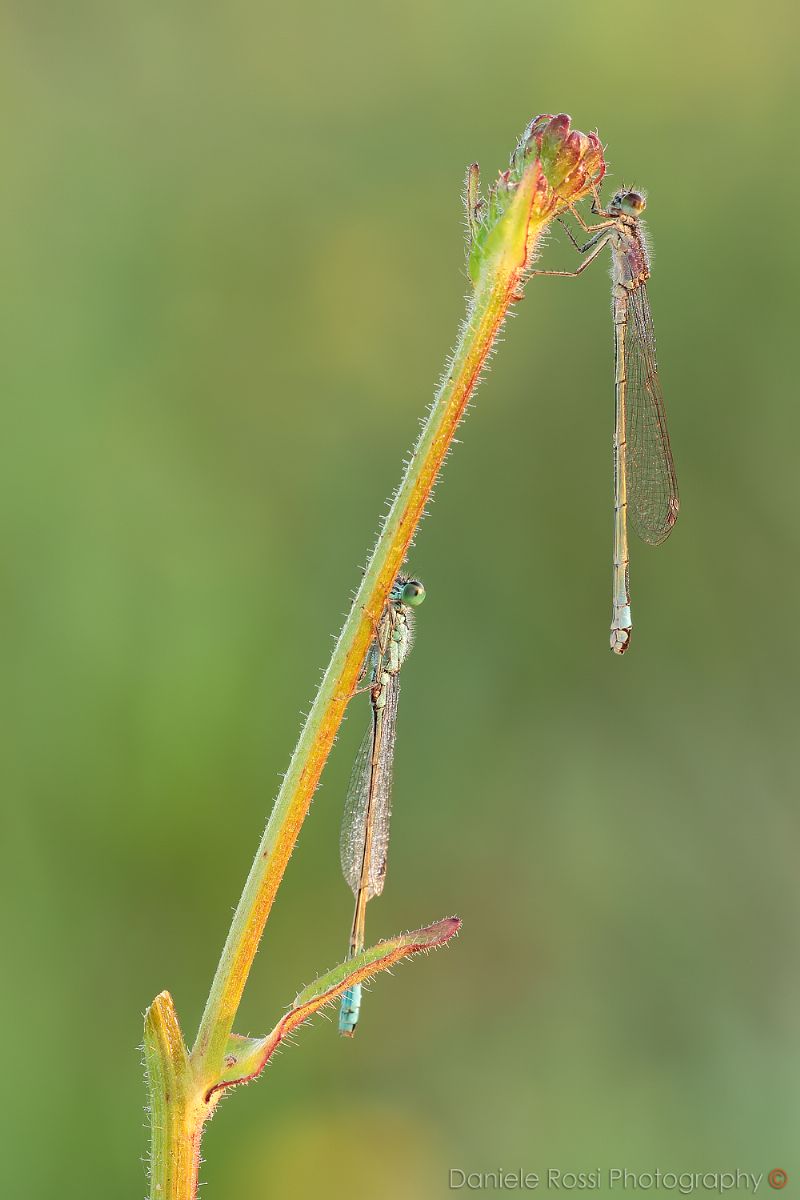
[488,305]
[550,169]
[177,1112]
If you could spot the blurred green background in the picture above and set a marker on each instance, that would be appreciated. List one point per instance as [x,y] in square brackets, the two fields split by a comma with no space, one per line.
[232,268]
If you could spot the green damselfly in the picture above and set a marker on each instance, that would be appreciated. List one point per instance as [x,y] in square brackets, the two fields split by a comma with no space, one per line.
[364,840]
[645,486]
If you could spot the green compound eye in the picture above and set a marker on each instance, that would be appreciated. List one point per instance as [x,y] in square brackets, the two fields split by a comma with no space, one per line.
[413,592]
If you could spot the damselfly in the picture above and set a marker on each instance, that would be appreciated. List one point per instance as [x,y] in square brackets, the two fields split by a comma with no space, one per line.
[644,474]
[364,841]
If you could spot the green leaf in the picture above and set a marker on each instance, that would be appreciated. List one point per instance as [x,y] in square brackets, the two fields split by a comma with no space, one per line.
[521,210]
[246,1057]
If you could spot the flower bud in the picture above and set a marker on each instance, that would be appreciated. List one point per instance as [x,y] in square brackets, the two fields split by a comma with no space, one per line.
[551,168]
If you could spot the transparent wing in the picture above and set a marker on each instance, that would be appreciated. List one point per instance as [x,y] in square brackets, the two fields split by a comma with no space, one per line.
[351,836]
[382,803]
[371,798]
[652,486]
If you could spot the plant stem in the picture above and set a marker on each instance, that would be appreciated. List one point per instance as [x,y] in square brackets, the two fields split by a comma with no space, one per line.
[550,169]
[494,292]
[177,1111]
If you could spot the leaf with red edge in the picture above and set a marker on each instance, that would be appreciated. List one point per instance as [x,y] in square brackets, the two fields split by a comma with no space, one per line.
[246,1057]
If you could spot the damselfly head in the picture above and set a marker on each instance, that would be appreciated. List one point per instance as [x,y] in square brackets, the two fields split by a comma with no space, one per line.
[411,592]
[627,202]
